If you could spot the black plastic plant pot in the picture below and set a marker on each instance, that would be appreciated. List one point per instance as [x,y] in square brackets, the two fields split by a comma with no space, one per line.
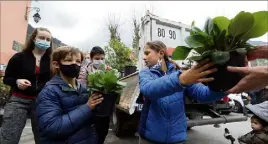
[106,107]
[223,79]
[129,70]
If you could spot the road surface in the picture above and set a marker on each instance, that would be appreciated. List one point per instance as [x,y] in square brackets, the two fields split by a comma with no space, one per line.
[197,135]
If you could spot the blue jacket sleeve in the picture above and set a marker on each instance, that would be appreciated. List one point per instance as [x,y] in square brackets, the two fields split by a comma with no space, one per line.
[53,122]
[154,89]
[202,93]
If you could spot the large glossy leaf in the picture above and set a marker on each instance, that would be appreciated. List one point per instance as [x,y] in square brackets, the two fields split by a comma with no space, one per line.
[208,26]
[220,57]
[241,51]
[195,58]
[102,67]
[180,53]
[222,22]
[193,23]
[221,40]
[200,50]
[121,83]
[241,24]
[207,53]
[260,26]
[195,30]
[195,41]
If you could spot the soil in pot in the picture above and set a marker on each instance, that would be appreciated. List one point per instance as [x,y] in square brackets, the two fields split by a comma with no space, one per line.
[106,107]
[223,79]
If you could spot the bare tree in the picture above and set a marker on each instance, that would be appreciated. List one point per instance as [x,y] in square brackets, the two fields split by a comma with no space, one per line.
[136,36]
[113,26]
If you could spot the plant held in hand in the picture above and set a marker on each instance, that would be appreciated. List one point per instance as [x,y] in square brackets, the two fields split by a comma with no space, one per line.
[105,81]
[224,42]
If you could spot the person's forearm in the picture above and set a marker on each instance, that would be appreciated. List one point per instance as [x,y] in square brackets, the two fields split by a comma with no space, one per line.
[259,53]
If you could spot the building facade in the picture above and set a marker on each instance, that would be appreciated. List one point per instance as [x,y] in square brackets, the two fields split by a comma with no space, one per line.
[13,28]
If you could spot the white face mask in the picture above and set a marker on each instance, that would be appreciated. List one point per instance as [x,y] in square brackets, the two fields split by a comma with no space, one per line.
[158,64]
[97,63]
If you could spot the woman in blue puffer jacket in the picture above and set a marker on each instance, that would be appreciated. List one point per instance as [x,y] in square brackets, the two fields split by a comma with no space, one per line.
[163,117]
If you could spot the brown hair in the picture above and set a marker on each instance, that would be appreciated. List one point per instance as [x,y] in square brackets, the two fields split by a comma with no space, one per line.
[159,45]
[29,46]
[61,52]
[258,119]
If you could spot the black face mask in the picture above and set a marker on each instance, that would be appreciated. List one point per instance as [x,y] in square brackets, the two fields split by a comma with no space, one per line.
[71,70]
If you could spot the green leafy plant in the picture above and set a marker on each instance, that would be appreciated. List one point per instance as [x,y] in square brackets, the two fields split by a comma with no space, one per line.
[4,93]
[222,36]
[105,81]
[118,55]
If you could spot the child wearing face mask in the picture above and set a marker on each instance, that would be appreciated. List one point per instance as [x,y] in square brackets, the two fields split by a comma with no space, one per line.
[64,109]
[26,74]
[96,59]
[259,124]
[91,63]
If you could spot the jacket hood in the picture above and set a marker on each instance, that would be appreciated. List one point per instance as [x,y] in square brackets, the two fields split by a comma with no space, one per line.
[260,110]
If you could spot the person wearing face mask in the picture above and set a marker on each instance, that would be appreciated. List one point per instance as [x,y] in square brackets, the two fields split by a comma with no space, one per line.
[96,59]
[64,106]
[164,87]
[91,63]
[26,74]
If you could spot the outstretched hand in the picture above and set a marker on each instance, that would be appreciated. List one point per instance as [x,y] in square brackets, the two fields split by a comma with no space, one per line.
[198,73]
[256,78]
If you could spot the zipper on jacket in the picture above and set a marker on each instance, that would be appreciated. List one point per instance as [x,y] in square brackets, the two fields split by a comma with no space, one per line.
[168,114]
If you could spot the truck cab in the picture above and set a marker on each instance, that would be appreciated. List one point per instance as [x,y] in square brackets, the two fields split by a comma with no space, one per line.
[126,114]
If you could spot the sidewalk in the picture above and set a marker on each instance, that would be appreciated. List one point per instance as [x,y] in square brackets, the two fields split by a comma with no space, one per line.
[27,135]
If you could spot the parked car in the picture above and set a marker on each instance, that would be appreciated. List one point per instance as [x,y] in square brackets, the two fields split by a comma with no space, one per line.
[240,100]
[225,105]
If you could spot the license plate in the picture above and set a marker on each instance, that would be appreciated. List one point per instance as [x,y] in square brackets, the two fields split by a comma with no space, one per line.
[219,106]
[139,107]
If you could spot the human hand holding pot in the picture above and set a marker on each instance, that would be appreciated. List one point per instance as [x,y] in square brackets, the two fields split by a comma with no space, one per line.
[23,83]
[256,78]
[94,100]
[108,68]
[197,73]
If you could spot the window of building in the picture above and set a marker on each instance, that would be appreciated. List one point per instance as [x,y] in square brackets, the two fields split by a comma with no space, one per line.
[17,46]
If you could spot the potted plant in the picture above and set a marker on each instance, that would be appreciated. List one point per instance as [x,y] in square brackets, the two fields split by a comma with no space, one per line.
[130,67]
[224,42]
[4,93]
[4,96]
[107,83]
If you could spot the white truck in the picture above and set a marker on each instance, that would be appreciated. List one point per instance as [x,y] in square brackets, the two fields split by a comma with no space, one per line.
[126,114]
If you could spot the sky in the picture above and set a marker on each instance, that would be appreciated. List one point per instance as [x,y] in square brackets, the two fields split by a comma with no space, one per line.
[83,24]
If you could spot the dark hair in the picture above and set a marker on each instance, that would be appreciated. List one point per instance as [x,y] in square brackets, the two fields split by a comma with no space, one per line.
[61,52]
[29,46]
[96,51]
[258,119]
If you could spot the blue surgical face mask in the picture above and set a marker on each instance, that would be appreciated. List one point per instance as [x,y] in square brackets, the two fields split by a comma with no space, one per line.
[42,44]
